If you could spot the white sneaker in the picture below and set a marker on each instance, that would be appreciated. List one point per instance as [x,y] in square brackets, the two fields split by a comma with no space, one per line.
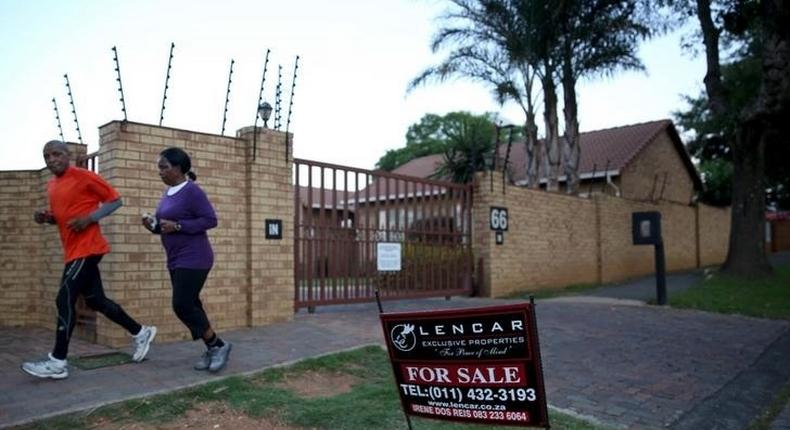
[49,368]
[142,342]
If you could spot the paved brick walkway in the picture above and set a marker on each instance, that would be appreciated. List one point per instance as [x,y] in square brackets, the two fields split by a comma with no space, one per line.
[627,365]
[782,422]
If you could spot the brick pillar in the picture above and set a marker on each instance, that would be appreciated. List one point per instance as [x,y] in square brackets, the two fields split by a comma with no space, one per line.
[482,236]
[270,190]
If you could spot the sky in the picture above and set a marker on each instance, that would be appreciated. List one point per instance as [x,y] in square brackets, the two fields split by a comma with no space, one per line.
[356,58]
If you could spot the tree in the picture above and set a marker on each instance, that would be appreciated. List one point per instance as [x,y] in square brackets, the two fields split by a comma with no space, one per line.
[710,134]
[507,44]
[758,124]
[470,147]
[486,45]
[424,138]
[454,133]
[596,37]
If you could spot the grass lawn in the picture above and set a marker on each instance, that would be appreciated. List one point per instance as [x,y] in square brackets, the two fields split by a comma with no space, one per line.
[763,298]
[368,401]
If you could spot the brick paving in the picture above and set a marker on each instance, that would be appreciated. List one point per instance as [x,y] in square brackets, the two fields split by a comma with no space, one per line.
[615,361]
[782,422]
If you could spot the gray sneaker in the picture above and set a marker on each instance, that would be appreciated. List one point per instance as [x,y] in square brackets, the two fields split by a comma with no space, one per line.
[219,357]
[50,368]
[204,362]
[142,342]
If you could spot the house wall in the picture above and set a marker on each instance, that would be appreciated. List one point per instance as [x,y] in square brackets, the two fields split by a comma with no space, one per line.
[657,172]
[251,283]
[554,240]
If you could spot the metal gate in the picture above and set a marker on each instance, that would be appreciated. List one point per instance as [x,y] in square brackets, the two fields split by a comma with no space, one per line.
[341,214]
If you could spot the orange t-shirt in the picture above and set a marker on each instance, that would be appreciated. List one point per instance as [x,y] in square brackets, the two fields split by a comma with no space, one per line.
[78,193]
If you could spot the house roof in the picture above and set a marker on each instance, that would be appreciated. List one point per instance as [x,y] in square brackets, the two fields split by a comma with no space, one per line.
[315,199]
[609,149]
[422,167]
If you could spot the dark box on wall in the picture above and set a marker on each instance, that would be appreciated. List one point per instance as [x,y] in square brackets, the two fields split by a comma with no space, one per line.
[646,227]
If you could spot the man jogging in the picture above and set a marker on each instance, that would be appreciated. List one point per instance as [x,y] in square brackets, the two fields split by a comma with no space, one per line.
[78,199]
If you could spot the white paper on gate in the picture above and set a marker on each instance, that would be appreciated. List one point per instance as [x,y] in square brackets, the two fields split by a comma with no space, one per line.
[388,256]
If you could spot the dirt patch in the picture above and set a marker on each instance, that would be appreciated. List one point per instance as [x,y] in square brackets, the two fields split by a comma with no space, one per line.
[207,416]
[317,384]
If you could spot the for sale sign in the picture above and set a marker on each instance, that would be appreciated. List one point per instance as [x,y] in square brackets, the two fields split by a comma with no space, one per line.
[481,365]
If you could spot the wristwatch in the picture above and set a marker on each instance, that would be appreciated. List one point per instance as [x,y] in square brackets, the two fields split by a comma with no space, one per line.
[178,226]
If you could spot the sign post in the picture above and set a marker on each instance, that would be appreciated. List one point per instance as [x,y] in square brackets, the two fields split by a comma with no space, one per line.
[646,230]
[477,365]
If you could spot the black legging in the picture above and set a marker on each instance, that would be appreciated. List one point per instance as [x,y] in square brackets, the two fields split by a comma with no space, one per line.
[187,284]
[81,276]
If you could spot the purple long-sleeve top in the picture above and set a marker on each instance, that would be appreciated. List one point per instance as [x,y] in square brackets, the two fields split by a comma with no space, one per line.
[188,248]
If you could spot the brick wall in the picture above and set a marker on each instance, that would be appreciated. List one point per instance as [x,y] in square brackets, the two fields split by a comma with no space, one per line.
[542,230]
[554,240]
[620,259]
[713,244]
[30,254]
[252,279]
[20,253]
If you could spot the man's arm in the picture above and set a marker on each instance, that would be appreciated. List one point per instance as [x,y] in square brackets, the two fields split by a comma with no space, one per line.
[79,224]
[106,209]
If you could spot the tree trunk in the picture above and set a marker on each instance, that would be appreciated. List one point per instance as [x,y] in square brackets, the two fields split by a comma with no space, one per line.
[534,153]
[552,130]
[571,151]
[717,93]
[746,256]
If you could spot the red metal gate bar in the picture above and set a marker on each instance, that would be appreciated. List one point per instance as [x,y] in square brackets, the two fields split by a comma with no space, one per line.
[335,239]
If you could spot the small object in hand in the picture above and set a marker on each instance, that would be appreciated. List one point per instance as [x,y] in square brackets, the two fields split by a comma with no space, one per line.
[150,220]
[43,216]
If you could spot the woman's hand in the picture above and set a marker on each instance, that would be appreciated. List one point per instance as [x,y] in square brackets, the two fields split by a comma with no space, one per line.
[169,226]
[149,222]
